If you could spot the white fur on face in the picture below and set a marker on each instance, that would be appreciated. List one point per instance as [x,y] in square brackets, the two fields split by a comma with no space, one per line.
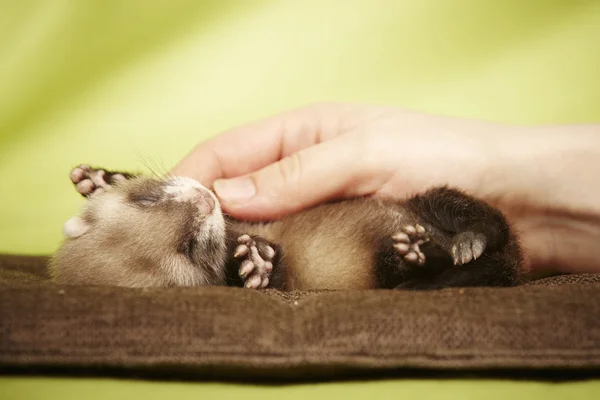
[186,189]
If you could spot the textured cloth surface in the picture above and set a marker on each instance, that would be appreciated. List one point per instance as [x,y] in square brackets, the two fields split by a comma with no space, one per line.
[233,332]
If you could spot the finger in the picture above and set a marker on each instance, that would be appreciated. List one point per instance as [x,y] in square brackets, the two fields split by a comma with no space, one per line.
[334,169]
[256,145]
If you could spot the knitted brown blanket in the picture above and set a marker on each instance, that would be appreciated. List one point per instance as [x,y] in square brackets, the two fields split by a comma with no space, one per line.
[218,332]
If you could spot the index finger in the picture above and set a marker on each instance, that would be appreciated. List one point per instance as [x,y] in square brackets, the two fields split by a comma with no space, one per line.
[248,148]
[253,146]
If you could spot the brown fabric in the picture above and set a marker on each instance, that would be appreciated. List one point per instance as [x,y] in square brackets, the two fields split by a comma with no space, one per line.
[229,332]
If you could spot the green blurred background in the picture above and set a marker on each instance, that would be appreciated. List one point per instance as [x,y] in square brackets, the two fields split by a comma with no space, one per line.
[122,83]
[119,83]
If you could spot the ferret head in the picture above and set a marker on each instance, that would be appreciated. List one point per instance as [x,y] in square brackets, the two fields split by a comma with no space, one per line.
[145,232]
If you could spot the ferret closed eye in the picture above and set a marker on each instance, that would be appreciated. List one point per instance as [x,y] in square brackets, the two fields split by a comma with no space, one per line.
[138,231]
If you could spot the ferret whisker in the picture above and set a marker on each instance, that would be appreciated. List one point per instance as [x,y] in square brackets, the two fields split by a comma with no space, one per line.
[146,161]
[156,167]
[166,171]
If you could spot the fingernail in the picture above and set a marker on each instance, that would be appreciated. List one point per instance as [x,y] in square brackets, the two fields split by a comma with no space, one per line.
[237,189]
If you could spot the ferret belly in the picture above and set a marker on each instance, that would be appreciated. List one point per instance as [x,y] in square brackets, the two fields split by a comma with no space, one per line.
[329,258]
[332,246]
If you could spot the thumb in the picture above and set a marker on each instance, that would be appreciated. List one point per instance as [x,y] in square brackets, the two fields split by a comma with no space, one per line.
[323,172]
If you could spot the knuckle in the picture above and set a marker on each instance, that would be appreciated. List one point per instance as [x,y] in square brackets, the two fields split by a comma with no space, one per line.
[290,168]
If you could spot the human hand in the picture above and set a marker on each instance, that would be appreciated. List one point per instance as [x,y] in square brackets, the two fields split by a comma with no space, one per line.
[543,178]
[331,151]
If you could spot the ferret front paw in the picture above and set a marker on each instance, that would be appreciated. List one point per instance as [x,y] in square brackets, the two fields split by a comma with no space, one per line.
[467,246]
[407,242]
[89,181]
[257,256]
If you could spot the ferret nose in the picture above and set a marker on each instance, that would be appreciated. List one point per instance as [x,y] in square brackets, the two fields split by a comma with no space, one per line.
[207,203]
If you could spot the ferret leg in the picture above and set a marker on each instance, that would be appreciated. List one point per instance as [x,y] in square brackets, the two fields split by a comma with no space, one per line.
[90,181]
[470,243]
[474,227]
[455,240]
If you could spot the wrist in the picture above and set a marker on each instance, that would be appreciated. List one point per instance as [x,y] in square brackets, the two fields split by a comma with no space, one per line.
[548,167]
[545,179]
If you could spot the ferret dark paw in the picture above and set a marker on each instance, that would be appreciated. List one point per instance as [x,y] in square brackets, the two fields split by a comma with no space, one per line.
[467,246]
[89,181]
[407,242]
[257,256]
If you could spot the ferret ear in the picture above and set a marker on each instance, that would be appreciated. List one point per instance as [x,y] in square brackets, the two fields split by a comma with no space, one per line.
[75,227]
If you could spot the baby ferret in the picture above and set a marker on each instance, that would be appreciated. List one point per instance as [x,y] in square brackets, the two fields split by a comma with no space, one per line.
[139,231]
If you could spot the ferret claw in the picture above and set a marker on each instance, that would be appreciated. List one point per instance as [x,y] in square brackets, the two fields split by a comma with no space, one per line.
[244,239]
[241,250]
[246,268]
[467,246]
[253,282]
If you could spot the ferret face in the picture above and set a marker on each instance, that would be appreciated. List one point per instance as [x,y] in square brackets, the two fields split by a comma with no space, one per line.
[145,232]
